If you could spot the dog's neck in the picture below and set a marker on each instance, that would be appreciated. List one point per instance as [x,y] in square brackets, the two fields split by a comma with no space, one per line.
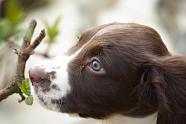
[120,119]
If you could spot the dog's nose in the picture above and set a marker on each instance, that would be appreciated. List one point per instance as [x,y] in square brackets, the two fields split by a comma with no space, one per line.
[36,75]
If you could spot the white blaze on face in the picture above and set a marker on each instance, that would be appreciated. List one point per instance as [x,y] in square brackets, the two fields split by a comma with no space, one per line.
[59,65]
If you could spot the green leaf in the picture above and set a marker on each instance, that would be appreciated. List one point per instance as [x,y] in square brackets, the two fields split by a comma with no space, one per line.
[29,100]
[56,23]
[25,87]
[53,30]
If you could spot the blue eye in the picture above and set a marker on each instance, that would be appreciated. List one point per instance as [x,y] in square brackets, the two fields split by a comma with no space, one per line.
[96,65]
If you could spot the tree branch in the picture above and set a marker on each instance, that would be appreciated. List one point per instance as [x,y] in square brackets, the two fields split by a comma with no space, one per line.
[24,53]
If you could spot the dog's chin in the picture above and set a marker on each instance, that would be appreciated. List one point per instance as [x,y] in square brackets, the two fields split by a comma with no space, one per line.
[48,104]
[55,105]
[48,100]
[58,105]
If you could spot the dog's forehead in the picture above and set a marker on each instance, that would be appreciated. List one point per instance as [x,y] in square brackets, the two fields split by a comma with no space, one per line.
[89,36]
[96,32]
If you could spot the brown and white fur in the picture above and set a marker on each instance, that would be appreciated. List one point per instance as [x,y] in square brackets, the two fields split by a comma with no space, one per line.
[121,69]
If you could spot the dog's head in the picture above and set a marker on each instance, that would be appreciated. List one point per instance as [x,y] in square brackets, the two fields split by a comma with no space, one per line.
[106,72]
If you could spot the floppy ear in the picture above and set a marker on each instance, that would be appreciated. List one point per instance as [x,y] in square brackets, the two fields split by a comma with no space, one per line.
[163,85]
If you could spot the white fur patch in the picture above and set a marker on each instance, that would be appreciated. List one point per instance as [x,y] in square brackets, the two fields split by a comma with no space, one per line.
[47,103]
[59,66]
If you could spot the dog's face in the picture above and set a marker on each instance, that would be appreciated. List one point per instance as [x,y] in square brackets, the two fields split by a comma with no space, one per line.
[99,75]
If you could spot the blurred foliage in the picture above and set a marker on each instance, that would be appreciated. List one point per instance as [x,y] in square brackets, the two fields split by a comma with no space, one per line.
[14,16]
[33,4]
[9,24]
[14,13]
[53,30]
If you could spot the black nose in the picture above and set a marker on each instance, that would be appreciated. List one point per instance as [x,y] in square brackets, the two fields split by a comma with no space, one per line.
[36,75]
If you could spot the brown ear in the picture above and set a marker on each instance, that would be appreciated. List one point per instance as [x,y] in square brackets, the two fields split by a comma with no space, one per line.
[163,85]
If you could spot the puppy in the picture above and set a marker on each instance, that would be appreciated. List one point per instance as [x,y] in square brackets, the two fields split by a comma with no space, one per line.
[118,68]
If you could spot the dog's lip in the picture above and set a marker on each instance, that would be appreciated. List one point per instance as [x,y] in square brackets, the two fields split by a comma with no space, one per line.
[32,83]
[42,84]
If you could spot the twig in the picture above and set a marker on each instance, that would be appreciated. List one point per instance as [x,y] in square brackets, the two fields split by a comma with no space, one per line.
[24,53]
[13,46]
